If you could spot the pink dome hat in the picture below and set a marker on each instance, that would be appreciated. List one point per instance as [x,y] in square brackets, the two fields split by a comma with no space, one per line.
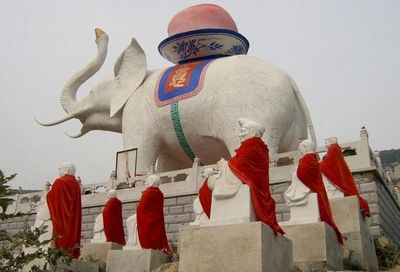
[202,31]
[200,17]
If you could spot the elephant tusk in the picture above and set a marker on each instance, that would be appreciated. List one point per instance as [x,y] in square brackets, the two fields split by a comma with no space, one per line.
[75,136]
[69,117]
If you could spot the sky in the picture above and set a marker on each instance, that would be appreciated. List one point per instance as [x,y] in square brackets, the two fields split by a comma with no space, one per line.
[344,56]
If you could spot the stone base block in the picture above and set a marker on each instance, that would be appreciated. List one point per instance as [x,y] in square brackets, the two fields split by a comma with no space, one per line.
[315,247]
[84,266]
[238,247]
[232,210]
[135,260]
[304,214]
[355,229]
[98,251]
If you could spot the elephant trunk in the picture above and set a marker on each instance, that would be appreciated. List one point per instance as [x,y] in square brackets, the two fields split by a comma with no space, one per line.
[68,95]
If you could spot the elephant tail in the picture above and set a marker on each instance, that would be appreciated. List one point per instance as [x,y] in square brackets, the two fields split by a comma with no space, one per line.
[305,111]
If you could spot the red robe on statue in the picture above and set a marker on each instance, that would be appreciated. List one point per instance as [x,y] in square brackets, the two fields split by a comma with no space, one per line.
[112,219]
[64,201]
[309,172]
[150,220]
[336,170]
[205,197]
[251,166]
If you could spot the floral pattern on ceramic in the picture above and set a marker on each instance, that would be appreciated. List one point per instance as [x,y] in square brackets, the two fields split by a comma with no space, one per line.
[191,48]
[203,43]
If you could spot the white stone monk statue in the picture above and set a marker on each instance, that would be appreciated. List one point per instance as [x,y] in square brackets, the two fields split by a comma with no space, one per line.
[201,215]
[131,222]
[43,217]
[98,230]
[331,190]
[99,235]
[306,196]
[300,199]
[241,185]
[64,202]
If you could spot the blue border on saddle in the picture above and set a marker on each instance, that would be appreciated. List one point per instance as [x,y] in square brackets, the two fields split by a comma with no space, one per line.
[193,82]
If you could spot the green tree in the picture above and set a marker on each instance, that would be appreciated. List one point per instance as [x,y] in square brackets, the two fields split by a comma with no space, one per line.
[5,192]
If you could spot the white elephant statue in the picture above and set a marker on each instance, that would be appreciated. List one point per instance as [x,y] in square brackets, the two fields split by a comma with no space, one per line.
[234,87]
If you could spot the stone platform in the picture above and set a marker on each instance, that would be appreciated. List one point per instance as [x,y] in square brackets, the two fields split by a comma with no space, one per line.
[315,247]
[142,260]
[355,229]
[238,247]
[98,251]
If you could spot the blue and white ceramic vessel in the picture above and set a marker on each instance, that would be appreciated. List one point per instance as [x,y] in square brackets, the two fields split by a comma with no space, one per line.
[203,44]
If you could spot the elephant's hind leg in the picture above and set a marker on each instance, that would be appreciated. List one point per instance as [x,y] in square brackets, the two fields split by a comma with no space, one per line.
[168,163]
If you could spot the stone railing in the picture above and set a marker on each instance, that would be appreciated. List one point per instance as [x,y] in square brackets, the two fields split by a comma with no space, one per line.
[24,203]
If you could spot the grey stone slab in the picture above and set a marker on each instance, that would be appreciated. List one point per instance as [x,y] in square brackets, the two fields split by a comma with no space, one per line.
[169,201]
[176,210]
[185,200]
[83,266]
[315,247]
[356,231]
[239,247]
[188,208]
[98,251]
[368,187]
[145,260]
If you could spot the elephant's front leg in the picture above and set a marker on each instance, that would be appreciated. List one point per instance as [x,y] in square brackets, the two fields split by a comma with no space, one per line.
[147,153]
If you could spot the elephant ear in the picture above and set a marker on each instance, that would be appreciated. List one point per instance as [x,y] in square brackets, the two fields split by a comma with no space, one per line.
[130,70]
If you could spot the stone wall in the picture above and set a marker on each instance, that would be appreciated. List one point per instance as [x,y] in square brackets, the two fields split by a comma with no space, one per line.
[388,216]
[13,225]
[177,211]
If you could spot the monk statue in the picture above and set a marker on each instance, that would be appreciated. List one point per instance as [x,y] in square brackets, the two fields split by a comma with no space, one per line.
[202,203]
[42,222]
[133,239]
[300,199]
[43,216]
[249,168]
[112,219]
[98,230]
[337,174]
[309,173]
[146,228]
[64,202]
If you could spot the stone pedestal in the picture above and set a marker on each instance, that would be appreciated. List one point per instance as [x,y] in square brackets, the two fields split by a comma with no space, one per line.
[135,260]
[315,247]
[238,247]
[305,213]
[232,210]
[98,251]
[355,229]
